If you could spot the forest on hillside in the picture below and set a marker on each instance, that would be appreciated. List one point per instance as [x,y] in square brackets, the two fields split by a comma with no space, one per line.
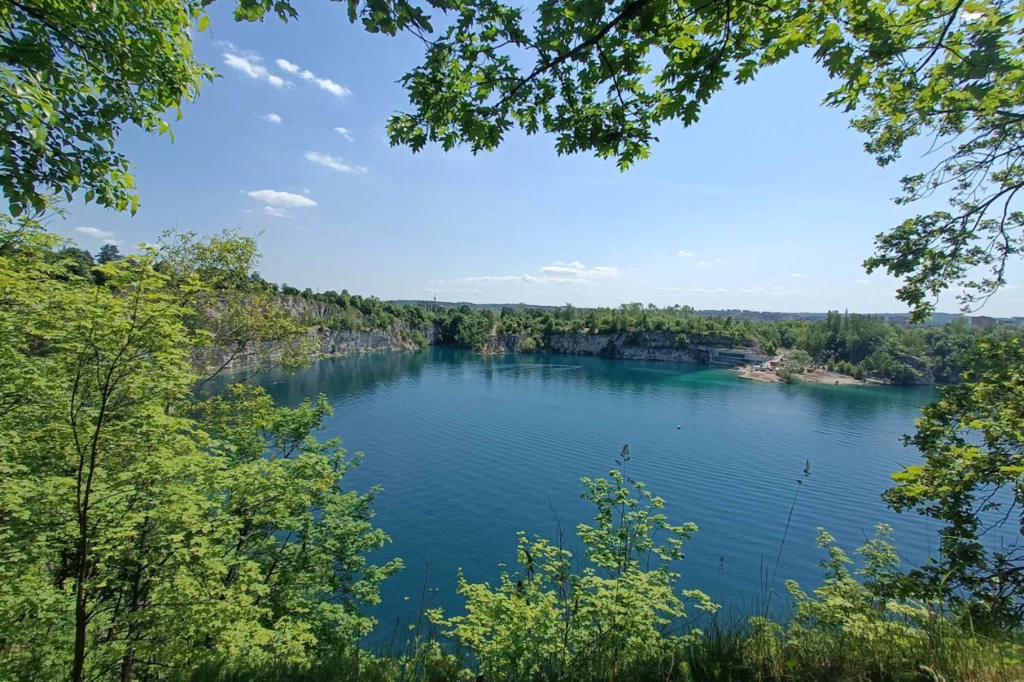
[858,345]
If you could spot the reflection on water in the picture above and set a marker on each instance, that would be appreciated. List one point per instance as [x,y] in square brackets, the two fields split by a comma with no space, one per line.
[470,449]
[340,377]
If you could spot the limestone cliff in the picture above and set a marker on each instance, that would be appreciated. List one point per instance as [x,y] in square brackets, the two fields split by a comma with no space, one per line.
[656,346]
[323,321]
[651,346]
[339,332]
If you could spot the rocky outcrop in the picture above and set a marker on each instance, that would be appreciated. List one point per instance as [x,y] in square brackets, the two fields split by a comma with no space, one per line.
[503,343]
[655,346]
[328,342]
[307,308]
[339,332]
[323,320]
[399,336]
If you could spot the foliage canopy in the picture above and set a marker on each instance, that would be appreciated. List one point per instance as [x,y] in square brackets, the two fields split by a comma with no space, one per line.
[142,527]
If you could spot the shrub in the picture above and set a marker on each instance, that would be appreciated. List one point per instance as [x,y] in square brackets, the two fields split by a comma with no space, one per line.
[528,344]
[589,617]
[798,360]
[419,339]
[787,374]
[902,373]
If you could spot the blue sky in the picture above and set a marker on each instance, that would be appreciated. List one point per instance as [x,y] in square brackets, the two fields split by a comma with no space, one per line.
[769,202]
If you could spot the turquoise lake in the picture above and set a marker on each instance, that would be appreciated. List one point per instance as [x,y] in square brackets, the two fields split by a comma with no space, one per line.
[470,449]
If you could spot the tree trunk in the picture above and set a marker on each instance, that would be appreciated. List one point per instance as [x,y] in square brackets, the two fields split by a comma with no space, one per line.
[135,604]
[81,610]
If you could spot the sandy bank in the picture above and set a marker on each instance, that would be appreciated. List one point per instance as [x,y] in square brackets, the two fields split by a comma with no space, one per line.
[811,376]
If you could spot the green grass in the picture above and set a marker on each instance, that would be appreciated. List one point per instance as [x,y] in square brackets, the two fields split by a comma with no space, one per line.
[725,652]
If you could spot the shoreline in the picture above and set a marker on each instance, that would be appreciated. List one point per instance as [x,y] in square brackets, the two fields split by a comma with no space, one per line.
[814,375]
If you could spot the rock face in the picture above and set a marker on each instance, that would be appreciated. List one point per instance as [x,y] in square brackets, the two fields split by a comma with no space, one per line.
[652,346]
[502,343]
[324,318]
[304,307]
[658,346]
[317,315]
[344,341]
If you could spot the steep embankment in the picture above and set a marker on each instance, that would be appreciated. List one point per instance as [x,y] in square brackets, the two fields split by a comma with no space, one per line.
[658,346]
[337,332]
[651,346]
[333,332]
[327,325]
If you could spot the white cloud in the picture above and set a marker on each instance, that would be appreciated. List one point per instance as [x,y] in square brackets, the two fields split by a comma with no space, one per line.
[272,118]
[287,66]
[703,262]
[578,269]
[556,281]
[331,87]
[344,132]
[276,212]
[334,162]
[784,291]
[796,274]
[307,75]
[685,254]
[272,197]
[559,274]
[559,270]
[249,64]
[305,190]
[860,281]
[95,233]
[719,260]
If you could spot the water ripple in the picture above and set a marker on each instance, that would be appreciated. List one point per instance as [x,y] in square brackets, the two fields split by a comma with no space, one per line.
[471,449]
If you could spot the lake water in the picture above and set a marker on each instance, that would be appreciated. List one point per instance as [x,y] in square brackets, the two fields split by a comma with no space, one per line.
[470,449]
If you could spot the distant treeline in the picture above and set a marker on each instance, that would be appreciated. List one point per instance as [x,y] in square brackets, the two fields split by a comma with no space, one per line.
[858,345]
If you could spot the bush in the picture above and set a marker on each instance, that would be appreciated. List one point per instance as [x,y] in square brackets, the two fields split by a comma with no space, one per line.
[798,360]
[787,374]
[528,344]
[859,373]
[587,617]
[419,339]
[902,373]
